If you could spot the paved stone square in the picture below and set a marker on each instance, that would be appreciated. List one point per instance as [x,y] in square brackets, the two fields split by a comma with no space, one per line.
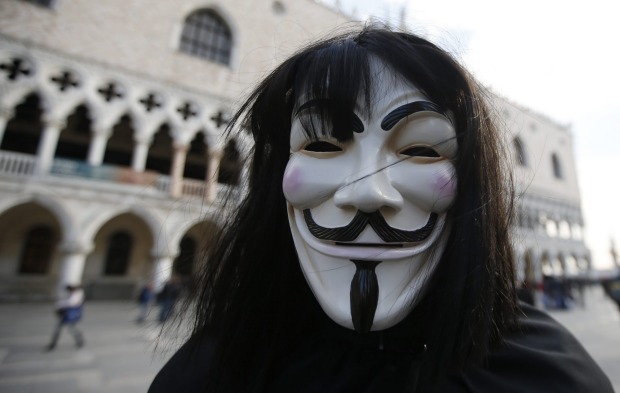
[121,356]
[597,326]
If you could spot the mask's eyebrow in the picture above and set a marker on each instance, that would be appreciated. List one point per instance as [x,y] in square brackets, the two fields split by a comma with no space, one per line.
[324,104]
[397,114]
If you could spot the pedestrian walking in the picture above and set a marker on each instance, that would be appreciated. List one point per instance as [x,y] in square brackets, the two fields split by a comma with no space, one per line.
[168,297]
[69,313]
[144,301]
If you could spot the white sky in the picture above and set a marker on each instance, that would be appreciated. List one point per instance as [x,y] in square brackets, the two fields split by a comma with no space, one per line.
[559,58]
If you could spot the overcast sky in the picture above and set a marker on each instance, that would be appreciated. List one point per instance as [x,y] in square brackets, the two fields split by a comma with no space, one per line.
[559,58]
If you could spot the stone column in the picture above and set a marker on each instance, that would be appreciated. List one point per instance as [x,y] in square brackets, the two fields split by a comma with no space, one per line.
[176,171]
[215,155]
[162,270]
[47,145]
[538,277]
[562,260]
[140,153]
[96,150]
[5,115]
[73,259]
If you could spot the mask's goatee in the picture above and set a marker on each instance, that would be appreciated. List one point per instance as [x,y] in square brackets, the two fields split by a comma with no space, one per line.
[364,295]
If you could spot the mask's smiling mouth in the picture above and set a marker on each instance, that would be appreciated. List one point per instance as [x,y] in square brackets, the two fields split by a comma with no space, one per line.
[340,242]
[385,245]
[352,230]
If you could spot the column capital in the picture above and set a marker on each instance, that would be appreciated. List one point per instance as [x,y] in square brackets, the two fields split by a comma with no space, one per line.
[55,123]
[180,146]
[143,139]
[216,152]
[102,131]
[75,247]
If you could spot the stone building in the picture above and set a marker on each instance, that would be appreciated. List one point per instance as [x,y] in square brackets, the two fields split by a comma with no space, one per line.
[112,165]
[112,161]
[549,223]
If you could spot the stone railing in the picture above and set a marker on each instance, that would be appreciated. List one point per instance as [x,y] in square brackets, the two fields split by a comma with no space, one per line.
[24,165]
[195,188]
[17,164]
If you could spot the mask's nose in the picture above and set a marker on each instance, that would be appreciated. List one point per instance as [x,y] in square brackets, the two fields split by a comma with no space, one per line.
[369,193]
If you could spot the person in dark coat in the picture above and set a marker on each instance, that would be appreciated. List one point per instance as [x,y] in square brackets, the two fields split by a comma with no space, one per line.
[372,250]
[69,313]
[168,297]
[145,298]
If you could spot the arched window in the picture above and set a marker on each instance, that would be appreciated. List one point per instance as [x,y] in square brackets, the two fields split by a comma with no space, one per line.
[184,262]
[557,167]
[118,253]
[206,35]
[36,253]
[159,157]
[230,165]
[42,3]
[75,136]
[119,148]
[24,130]
[520,152]
[197,160]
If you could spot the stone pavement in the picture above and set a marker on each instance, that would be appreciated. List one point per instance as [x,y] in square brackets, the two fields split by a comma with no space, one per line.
[597,326]
[120,356]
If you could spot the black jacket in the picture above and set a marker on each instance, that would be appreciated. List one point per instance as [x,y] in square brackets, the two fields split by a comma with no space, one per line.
[541,357]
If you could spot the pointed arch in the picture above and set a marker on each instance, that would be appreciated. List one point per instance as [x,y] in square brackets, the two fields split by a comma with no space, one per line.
[119,148]
[23,131]
[75,137]
[159,158]
[230,165]
[197,160]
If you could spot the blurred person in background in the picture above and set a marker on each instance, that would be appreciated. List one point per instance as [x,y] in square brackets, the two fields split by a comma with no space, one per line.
[168,297]
[69,313]
[145,298]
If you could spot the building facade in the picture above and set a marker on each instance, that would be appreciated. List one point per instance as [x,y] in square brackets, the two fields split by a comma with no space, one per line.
[113,165]
[549,228]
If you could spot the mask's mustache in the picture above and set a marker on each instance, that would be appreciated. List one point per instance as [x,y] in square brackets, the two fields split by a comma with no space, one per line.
[352,230]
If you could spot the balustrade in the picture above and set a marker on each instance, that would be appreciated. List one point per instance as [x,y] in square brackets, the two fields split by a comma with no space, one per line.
[24,165]
[17,164]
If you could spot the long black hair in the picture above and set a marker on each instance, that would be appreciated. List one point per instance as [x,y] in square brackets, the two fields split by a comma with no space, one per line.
[253,296]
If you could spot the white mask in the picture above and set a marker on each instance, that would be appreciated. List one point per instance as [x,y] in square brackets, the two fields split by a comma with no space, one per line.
[371,280]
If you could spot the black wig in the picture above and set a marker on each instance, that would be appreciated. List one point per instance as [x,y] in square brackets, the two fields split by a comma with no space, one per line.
[253,295]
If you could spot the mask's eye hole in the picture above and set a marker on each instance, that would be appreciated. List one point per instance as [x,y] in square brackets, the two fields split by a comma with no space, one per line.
[419,151]
[322,147]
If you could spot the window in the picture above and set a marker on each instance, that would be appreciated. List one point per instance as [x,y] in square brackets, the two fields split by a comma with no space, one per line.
[557,168]
[37,251]
[278,8]
[184,262]
[230,165]
[119,251]
[206,35]
[520,152]
[42,3]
